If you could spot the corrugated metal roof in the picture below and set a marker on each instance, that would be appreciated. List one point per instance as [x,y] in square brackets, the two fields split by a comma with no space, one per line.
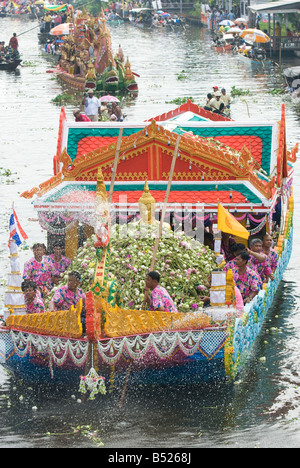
[281,6]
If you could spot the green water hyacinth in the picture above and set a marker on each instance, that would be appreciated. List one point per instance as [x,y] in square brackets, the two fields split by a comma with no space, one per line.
[184,265]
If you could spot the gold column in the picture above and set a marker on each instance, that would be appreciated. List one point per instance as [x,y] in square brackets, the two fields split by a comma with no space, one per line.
[72,241]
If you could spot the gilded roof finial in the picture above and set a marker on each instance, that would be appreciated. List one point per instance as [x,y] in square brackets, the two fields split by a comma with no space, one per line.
[147,198]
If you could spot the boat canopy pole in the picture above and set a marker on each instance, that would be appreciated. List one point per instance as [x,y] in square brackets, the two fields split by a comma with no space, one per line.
[164,209]
[114,172]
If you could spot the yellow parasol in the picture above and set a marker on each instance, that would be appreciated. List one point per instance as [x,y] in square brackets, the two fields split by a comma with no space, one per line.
[254,35]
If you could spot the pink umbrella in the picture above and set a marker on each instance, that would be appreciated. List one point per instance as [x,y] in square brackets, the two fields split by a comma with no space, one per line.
[109,98]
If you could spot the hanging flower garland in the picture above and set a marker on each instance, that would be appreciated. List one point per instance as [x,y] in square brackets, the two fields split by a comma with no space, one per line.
[92,382]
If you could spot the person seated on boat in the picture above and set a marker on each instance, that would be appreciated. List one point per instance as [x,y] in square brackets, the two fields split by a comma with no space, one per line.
[56,261]
[33,301]
[236,249]
[258,261]
[159,298]
[267,244]
[68,295]
[207,105]
[81,117]
[209,240]
[227,243]
[216,104]
[117,111]
[34,268]
[215,90]
[246,279]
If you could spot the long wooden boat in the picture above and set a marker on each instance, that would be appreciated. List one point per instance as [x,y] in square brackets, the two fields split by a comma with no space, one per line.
[254,62]
[10,66]
[214,165]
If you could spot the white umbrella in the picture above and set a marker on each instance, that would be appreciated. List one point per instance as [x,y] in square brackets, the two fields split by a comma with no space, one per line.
[234,30]
[241,20]
[226,23]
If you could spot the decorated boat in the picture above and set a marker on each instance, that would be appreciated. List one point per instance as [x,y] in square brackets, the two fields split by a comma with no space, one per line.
[197,171]
[87,59]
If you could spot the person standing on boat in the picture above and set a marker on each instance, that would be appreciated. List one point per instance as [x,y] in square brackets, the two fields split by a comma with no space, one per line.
[270,252]
[92,106]
[69,295]
[14,43]
[258,261]
[47,21]
[33,301]
[159,298]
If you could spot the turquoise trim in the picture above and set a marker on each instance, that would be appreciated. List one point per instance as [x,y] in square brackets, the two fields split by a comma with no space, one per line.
[189,187]
[77,134]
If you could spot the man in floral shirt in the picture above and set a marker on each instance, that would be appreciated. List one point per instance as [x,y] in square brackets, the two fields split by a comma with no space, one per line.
[159,298]
[69,295]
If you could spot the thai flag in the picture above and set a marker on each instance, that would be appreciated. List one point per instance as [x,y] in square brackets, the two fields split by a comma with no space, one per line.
[16,232]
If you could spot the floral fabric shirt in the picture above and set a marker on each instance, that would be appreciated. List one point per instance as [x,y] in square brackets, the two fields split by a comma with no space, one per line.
[160,298]
[248,282]
[50,266]
[273,259]
[34,271]
[36,306]
[263,268]
[63,298]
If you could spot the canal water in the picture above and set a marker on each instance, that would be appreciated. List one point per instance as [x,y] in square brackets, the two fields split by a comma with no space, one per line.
[262,409]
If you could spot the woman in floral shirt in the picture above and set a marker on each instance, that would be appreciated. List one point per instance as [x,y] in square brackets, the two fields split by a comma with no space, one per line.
[55,262]
[159,298]
[68,295]
[34,268]
[33,300]
[259,261]
[247,280]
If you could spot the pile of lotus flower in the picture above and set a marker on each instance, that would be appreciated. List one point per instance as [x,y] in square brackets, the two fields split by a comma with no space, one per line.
[184,265]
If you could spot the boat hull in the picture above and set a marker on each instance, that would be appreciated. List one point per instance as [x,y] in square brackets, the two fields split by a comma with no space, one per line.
[10,66]
[254,63]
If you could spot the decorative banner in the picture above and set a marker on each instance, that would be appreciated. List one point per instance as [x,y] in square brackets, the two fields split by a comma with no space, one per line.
[227,223]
